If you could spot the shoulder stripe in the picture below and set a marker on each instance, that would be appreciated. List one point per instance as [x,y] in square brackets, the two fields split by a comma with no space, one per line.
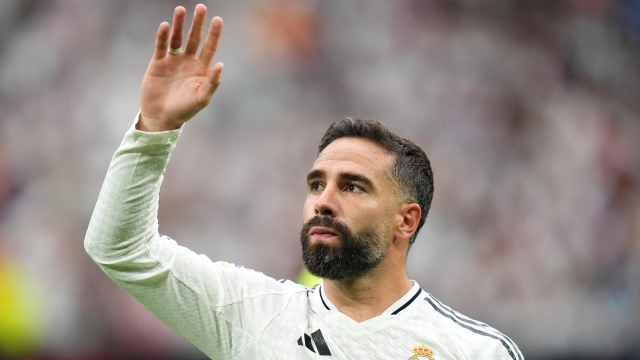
[473,325]
[476,323]
[461,317]
[408,302]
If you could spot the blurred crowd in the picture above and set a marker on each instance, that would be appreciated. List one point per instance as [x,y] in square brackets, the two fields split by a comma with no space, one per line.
[528,110]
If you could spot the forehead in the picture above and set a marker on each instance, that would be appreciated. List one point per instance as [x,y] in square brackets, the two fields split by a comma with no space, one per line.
[356,154]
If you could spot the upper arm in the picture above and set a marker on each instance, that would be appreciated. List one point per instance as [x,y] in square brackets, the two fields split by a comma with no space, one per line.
[218,307]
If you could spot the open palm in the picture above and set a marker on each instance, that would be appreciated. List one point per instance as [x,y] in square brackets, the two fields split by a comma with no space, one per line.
[179,84]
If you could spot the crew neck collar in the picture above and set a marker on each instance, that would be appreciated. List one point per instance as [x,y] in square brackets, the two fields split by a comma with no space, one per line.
[396,308]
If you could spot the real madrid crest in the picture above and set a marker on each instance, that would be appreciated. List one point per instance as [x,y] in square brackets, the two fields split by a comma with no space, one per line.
[422,351]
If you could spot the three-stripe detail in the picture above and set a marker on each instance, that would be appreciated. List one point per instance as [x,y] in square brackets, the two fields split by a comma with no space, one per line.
[475,326]
[317,339]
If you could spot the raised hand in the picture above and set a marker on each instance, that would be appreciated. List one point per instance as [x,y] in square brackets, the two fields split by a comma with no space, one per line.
[179,84]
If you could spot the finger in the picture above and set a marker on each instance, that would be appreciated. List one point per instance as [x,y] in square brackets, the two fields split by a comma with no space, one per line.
[211,42]
[161,41]
[214,78]
[175,39]
[195,34]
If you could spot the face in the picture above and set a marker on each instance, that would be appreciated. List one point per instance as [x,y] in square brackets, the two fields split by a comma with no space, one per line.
[349,208]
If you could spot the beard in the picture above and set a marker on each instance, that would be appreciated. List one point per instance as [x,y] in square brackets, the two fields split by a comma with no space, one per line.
[354,256]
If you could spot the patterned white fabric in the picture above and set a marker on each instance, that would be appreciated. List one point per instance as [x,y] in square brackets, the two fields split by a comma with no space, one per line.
[230,312]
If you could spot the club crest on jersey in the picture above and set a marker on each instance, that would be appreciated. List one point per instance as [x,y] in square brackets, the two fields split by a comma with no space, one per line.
[422,351]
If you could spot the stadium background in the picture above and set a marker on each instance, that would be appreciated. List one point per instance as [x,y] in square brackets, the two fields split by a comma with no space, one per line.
[528,110]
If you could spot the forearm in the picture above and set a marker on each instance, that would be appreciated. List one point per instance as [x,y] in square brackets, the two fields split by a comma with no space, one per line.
[124,220]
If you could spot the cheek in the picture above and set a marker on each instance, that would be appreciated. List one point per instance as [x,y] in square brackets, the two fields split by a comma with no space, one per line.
[365,214]
[374,214]
[308,210]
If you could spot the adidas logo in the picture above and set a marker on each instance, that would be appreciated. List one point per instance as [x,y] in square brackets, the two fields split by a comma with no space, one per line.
[317,339]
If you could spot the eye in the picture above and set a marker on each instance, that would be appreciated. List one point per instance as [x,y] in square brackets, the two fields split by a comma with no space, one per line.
[316,186]
[353,188]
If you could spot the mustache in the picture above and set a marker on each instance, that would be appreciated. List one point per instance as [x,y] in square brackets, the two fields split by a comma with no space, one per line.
[328,222]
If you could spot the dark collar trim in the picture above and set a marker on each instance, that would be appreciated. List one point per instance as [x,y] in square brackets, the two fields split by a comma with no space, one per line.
[408,302]
[322,298]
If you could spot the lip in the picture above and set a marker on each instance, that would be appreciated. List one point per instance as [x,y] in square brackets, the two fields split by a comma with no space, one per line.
[323,234]
[323,231]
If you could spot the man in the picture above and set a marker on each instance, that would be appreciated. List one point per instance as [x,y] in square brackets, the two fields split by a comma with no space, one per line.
[369,192]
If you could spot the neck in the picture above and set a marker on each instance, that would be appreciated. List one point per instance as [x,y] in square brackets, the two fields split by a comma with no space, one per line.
[365,297]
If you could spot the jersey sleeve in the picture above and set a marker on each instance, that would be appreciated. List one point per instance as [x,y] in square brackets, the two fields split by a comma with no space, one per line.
[212,305]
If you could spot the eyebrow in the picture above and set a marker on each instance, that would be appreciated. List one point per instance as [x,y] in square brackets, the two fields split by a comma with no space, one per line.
[355,177]
[315,174]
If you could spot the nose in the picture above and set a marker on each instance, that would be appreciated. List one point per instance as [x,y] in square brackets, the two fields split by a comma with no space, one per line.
[326,203]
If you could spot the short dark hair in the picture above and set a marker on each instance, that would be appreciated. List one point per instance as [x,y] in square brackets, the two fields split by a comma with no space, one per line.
[412,170]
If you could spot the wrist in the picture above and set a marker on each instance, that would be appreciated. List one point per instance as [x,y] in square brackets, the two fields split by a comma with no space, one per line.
[147,124]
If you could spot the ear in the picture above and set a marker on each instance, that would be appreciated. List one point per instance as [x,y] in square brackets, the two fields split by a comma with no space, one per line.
[408,217]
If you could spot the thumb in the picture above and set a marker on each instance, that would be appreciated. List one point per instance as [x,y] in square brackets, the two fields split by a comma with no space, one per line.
[215,75]
[213,81]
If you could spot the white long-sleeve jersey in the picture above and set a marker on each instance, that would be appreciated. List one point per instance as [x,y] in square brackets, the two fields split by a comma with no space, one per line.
[230,312]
